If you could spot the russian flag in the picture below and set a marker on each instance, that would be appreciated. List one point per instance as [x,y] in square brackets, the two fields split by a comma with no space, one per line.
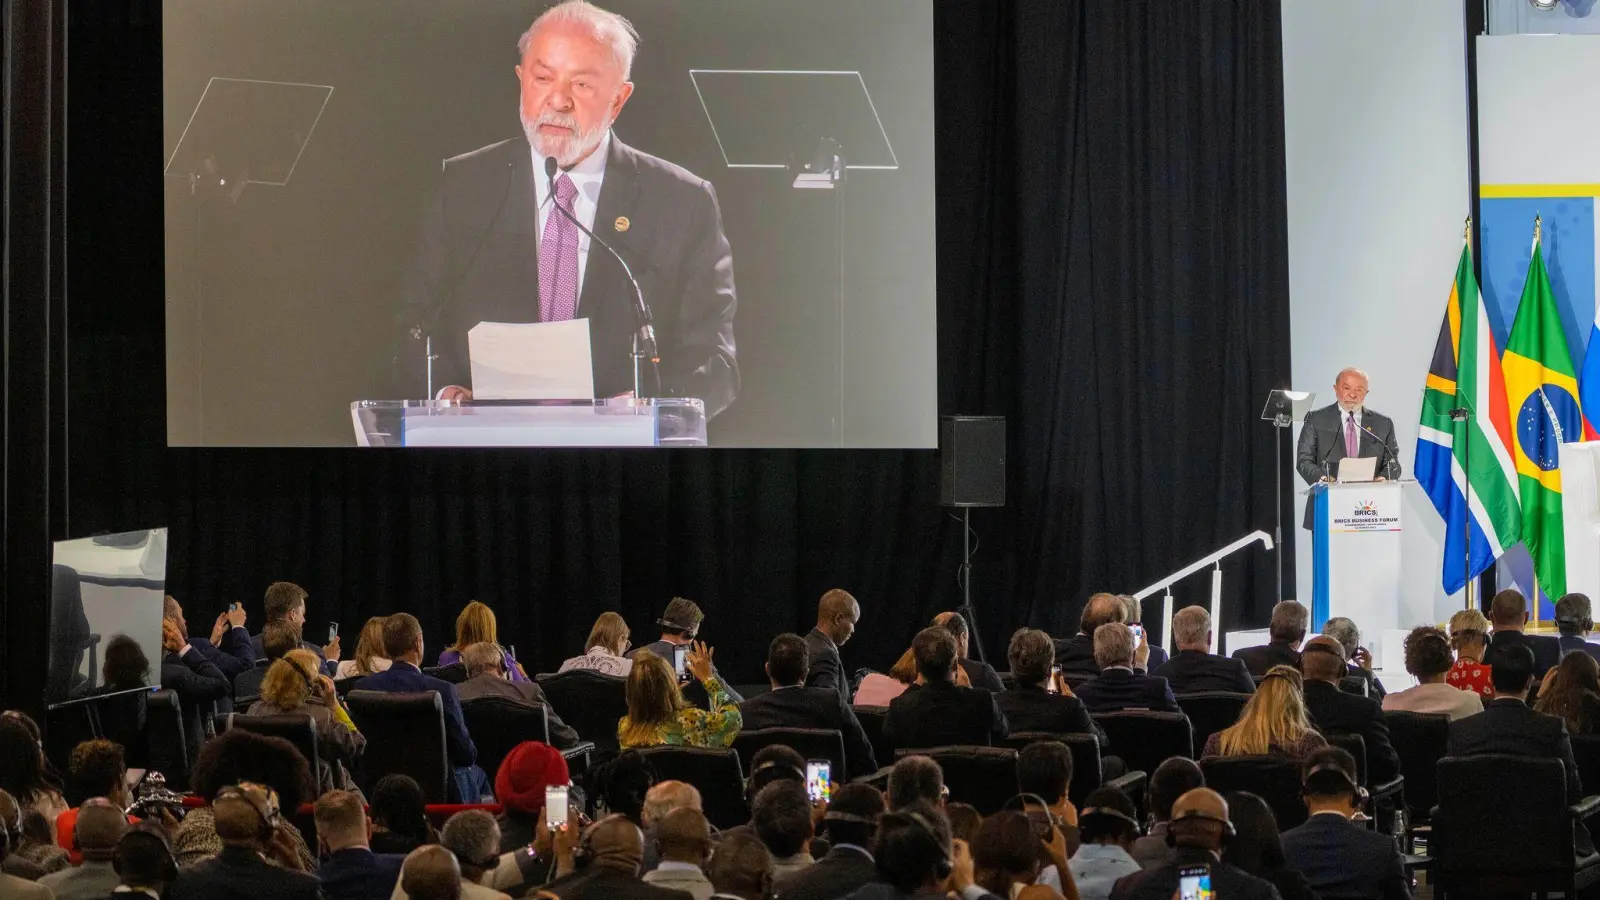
[1589,381]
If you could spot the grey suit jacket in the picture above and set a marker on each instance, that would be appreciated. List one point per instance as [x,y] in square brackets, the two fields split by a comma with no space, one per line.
[695,884]
[1322,445]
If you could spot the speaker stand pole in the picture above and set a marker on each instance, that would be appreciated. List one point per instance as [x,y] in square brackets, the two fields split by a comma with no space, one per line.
[966,609]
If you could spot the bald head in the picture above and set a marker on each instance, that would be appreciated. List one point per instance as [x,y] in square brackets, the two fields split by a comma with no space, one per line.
[430,872]
[100,826]
[667,796]
[684,835]
[1100,610]
[1322,659]
[615,843]
[1199,819]
[837,615]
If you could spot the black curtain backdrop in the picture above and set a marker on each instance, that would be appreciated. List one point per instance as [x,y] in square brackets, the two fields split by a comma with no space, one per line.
[1112,278]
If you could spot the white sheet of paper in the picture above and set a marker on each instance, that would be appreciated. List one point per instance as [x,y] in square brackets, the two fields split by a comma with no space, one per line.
[1357,468]
[534,361]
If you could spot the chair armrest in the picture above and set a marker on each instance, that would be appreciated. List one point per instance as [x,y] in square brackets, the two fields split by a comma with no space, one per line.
[1130,783]
[1585,808]
[581,748]
[878,779]
[1388,788]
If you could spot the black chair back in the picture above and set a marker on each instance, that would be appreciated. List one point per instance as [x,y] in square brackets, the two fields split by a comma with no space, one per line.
[1586,749]
[1275,779]
[455,673]
[405,735]
[1086,771]
[247,684]
[499,724]
[716,772]
[1144,739]
[590,702]
[1354,684]
[1356,746]
[1421,740]
[985,777]
[1211,711]
[167,745]
[296,728]
[1502,824]
[811,743]
[872,719]
[344,686]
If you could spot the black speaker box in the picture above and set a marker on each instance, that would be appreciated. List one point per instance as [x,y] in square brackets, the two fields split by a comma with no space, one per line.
[972,460]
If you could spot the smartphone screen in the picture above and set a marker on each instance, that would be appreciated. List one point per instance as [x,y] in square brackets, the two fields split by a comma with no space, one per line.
[1194,883]
[680,660]
[1138,633]
[1050,685]
[555,806]
[233,607]
[819,782]
[333,631]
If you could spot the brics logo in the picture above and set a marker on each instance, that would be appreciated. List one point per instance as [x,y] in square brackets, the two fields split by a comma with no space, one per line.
[1365,508]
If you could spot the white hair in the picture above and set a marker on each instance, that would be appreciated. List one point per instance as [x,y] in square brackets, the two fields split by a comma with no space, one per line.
[606,27]
[1191,625]
[1113,645]
[1351,370]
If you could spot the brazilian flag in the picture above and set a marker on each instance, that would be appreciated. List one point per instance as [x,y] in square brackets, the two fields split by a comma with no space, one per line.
[1542,393]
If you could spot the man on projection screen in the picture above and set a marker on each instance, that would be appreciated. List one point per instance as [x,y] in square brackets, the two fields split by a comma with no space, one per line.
[1346,428]
[496,250]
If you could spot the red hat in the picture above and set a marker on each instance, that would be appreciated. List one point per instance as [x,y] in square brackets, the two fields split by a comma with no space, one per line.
[528,769]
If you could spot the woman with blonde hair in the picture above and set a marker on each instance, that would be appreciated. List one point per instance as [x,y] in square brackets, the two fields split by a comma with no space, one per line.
[476,624]
[368,657]
[603,651]
[658,714]
[1273,722]
[294,686]
[1469,638]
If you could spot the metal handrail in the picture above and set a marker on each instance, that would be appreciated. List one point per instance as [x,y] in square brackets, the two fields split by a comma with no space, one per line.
[1214,560]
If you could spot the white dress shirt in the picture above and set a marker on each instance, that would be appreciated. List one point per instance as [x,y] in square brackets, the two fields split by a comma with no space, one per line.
[587,176]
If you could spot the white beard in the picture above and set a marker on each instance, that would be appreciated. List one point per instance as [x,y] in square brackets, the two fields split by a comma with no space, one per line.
[569,150]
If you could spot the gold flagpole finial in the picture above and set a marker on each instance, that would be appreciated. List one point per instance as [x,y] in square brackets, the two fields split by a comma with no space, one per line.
[1466,230]
[1538,224]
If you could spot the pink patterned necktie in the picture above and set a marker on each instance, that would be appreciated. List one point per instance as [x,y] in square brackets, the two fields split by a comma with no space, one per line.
[1352,444]
[558,259]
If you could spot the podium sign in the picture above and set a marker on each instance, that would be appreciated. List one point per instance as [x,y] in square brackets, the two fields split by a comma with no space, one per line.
[1355,559]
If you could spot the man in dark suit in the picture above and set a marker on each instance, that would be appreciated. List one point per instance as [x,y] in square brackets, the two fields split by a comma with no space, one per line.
[277,639]
[791,704]
[286,602]
[1335,712]
[229,646]
[1346,429]
[848,825]
[1507,725]
[1508,613]
[979,673]
[402,643]
[249,827]
[349,869]
[1031,704]
[1287,629]
[1199,820]
[1118,686]
[197,681]
[495,248]
[1338,856]
[1575,620]
[487,676]
[1359,667]
[614,847]
[1194,667]
[1076,654]
[680,623]
[938,712]
[837,615]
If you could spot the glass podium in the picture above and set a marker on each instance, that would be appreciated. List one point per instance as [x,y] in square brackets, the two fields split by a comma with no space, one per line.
[615,422]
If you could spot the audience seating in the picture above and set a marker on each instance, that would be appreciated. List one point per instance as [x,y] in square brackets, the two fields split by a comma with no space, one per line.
[1086,770]
[1210,712]
[1007,680]
[985,777]
[344,686]
[405,735]
[1586,750]
[1503,826]
[1421,740]
[167,747]
[1275,779]
[811,743]
[296,728]
[1385,796]
[716,772]
[872,719]
[590,702]
[1144,739]
[455,673]
[1354,684]
[499,724]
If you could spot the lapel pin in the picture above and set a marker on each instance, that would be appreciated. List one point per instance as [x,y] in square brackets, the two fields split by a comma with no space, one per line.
[622,223]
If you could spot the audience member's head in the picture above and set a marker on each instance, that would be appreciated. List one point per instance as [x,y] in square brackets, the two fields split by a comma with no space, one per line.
[1191,629]
[237,755]
[611,632]
[654,698]
[125,667]
[285,602]
[1005,851]
[615,843]
[1323,659]
[1329,781]
[904,669]
[474,837]
[781,815]
[965,820]
[10,822]
[684,836]
[1508,611]
[1254,846]
[1135,612]
[143,858]
[399,807]
[369,647]
[402,638]
[853,814]
[1101,609]
[288,682]
[484,658]
[431,872]
[1199,820]
[100,827]
[1108,817]
[623,783]
[1511,673]
[1289,623]
[1573,615]
[279,638]
[912,848]
[1344,631]
[1031,655]
[837,615]
[1469,634]
[1273,718]
[1045,768]
[1177,776]
[680,623]
[667,797]
[787,660]
[342,822]
[1572,692]
[527,770]
[1428,654]
[245,815]
[956,624]
[96,769]
[741,867]
[916,779]
[172,611]
[476,624]
[935,650]
[1114,645]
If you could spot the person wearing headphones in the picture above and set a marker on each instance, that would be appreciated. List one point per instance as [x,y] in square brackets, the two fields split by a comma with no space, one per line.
[680,624]
[249,823]
[916,857]
[848,824]
[144,862]
[605,864]
[683,845]
[741,869]
[1339,856]
[1197,832]
[99,828]
[1108,824]
[1575,620]
[13,887]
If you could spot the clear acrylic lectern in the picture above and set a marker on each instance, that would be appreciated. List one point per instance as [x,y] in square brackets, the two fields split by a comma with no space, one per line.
[615,422]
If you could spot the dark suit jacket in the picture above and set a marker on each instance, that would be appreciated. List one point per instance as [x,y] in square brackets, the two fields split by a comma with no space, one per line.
[843,870]
[1120,688]
[1374,686]
[982,675]
[1260,659]
[1191,671]
[813,707]
[1569,644]
[1161,882]
[937,715]
[1546,649]
[609,884]
[1075,655]
[233,656]
[479,263]
[1029,707]
[198,684]
[329,667]
[359,874]
[528,693]
[826,671]
[241,874]
[1509,726]
[1342,859]
[401,678]
[1333,710]
[1322,446]
[694,690]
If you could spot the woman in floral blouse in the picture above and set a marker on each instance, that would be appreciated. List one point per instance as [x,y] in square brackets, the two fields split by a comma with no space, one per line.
[658,714]
[1469,637]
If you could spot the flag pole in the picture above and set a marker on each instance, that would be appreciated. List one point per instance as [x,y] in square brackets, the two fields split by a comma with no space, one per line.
[1466,461]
